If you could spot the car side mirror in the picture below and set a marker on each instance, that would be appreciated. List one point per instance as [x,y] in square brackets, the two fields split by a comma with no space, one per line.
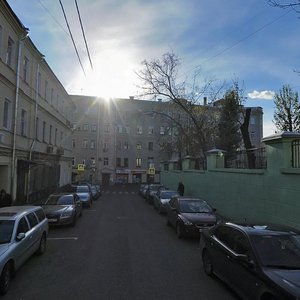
[20,236]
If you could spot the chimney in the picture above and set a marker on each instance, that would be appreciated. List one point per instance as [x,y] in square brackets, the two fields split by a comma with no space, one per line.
[204,100]
[131,97]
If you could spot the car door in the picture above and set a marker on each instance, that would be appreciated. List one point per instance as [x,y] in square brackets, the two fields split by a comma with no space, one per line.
[174,208]
[22,246]
[34,233]
[243,267]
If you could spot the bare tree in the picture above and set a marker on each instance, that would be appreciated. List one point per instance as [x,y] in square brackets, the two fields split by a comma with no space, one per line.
[287,110]
[283,4]
[159,77]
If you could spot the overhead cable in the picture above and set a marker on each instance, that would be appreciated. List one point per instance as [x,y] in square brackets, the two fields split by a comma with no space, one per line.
[86,46]
[72,37]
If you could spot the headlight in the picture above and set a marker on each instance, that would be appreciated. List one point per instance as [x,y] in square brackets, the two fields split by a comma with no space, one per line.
[66,214]
[185,221]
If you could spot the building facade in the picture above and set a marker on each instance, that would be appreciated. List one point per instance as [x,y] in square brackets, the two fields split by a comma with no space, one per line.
[35,116]
[124,140]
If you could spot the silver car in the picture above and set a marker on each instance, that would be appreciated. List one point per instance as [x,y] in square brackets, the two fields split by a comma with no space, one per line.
[23,232]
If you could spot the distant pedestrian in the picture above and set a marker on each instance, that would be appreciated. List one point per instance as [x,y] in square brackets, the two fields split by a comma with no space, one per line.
[5,198]
[180,188]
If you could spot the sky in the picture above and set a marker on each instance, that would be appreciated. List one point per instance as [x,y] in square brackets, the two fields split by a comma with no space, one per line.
[248,41]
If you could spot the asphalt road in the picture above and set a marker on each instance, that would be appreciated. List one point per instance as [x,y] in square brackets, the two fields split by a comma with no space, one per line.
[119,249]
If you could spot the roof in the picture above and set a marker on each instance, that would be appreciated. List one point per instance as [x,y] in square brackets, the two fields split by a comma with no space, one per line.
[264,228]
[13,212]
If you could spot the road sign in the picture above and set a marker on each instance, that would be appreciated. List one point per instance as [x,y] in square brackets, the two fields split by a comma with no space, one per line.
[80,167]
[151,171]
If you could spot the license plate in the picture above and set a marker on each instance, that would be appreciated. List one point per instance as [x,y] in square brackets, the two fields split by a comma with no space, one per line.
[52,220]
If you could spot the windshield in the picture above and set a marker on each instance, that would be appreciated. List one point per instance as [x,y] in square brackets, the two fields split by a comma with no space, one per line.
[154,187]
[282,251]
[60,200]
[194,206]
[168,195]
[82,189]
[6,230]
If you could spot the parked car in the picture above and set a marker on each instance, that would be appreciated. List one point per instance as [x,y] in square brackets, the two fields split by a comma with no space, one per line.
[23,232]
[258,261]
[63,208]
[143,190]
[83,191]
[98,187]
[94,192]
[189,215]
[151,191]
[161,198]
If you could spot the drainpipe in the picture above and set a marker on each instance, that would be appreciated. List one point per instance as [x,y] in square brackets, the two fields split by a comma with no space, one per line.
[13,171]
[34,128]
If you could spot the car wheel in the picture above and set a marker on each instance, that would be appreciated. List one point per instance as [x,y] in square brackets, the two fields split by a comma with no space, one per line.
[5,279]
[179,231]
[43,245]
[207,263]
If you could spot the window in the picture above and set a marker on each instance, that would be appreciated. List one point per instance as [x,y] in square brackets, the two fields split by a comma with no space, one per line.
[138,146]
[138,162]
[73,143]
[119,145]
[46,90]
[85,144]
[125,162]
[118,162]
[105,161]
[37,126]
[94,127]
[139,130]
[93,144]
[126,145]
[73,161]
[119,128]
[252,120]
[85,127]
[40,214]
[10,52]
[52,96]
[50,134]
[6,114]
[55,136]
[150,162]
[106,128]
[25,68]
[150,130]
[39,83]
[22,226]
[23,122]
[162,130]
[105,147]
[32,219]
[150,146]
[44,131]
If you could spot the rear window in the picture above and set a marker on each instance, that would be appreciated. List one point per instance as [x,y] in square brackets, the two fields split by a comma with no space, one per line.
[32,219]
[40,214]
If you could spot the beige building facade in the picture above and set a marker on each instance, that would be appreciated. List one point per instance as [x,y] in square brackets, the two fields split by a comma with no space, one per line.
[35,116]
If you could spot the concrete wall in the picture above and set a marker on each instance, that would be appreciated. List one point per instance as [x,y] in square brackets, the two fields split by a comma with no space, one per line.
[270,194]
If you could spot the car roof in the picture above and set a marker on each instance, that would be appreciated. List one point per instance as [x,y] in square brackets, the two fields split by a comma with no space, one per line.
[264,228]
[14,212]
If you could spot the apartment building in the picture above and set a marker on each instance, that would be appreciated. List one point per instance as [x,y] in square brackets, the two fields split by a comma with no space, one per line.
[35,116]
[123,140]
[117,140]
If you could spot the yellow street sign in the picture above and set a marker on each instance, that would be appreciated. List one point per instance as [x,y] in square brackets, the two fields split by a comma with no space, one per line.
[80,167]
[151,171]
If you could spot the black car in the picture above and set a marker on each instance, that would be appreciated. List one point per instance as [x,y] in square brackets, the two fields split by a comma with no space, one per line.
[189,215]
[256,261]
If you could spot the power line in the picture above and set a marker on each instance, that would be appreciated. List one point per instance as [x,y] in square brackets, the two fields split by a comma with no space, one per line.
[86,46]
[72,37]
[240,41]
